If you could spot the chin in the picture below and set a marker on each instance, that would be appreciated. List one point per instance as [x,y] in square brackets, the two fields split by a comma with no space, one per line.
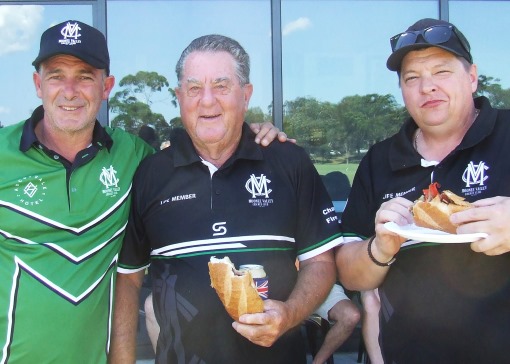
[73,126]
[210,136]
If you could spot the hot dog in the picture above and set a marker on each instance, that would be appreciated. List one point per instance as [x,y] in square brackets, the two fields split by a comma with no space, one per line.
[433,209]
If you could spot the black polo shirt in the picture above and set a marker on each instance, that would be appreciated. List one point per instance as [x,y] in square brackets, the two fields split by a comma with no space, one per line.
[265,205]
[440,303]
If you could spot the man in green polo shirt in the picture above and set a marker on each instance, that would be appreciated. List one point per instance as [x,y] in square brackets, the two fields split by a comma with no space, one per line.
[65,186]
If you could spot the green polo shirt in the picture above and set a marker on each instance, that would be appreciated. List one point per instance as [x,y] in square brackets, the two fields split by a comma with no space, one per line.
[61,227]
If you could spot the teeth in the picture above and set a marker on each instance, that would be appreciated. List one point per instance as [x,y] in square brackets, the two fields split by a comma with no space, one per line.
[69,108]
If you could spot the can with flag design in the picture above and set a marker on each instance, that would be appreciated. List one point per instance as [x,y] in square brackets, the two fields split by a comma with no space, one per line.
[260,278]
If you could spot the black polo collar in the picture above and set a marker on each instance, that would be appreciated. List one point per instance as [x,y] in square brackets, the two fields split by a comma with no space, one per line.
[186,154]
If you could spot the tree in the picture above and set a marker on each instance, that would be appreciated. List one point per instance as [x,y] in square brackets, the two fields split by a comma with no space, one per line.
[144,84]
[490,88]
[346,128]
[365,120]
[133,103]
[255,115]
[306,119]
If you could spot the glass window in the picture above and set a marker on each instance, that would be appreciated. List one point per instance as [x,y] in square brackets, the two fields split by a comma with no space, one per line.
[485,25]
[339,97]
[21,27]
[149,36]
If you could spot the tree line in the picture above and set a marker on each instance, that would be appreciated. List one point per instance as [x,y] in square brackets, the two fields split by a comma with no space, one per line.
[341,131]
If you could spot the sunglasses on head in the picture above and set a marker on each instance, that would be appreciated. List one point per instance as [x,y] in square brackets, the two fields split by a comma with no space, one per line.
[435,34]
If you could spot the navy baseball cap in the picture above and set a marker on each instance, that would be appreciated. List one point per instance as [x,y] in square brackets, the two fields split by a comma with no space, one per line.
[428,33]
[76,39]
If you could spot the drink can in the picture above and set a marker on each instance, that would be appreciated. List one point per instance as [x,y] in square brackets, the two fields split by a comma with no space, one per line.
[260,278]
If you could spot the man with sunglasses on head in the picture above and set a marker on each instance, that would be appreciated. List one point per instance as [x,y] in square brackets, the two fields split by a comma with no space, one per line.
[440,303]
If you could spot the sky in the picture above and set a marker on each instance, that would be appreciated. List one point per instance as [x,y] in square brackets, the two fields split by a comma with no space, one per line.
[331,49]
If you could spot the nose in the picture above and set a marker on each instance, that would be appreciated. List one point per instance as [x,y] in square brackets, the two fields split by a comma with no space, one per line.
[69,90]
[207,95]
[427,84]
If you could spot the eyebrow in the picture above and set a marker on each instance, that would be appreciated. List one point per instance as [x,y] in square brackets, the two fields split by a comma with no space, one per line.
[81,71]
[217,80]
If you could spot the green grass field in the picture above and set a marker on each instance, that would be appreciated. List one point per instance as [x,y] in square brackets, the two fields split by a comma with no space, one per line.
[347,168]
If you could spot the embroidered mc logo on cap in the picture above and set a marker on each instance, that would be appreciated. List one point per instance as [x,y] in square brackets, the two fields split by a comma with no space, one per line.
[70,32]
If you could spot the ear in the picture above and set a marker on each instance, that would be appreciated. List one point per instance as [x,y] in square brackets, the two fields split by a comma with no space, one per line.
[37,83]
[109,82]
[248,91]
[178,94]
[473,74]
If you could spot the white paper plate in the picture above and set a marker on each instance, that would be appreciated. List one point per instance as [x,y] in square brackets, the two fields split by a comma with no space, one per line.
[434,236]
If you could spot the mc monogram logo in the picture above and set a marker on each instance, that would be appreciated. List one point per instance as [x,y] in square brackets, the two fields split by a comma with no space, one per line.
[108,177]
[71,34]
[475,174]
[257,186]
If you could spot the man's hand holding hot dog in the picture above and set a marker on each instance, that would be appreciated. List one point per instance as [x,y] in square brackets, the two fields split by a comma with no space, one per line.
[491,216]
[386,243]
[382,247]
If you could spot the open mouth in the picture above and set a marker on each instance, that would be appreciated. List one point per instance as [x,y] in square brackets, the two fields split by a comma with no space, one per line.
[210,116]
[69,108]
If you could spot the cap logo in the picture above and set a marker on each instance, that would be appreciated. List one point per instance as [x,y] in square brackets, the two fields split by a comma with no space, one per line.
[71,34]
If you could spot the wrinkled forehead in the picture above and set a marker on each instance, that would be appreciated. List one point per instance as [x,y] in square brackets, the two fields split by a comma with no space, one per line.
[208,66]
[428,54]
[64,62]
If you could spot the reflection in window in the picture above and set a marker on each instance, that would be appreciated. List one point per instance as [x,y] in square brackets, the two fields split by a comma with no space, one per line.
[339,97]
[488,38]
[21,27]
[158,32]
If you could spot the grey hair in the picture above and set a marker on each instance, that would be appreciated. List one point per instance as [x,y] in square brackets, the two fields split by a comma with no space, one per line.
[218,43]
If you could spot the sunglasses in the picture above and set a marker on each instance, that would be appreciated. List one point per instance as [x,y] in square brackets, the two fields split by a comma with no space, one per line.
[436,34]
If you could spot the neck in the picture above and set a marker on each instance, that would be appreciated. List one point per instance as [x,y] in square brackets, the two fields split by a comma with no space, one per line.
[217,152]
[215,155]
[436,146]
[66,144]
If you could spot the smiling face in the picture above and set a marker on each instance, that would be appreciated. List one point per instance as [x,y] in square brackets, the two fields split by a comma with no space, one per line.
[71,91]
[437,88]
[212,101]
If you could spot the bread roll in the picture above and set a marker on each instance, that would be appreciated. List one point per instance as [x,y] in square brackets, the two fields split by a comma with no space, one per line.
[433,209]
[235,289]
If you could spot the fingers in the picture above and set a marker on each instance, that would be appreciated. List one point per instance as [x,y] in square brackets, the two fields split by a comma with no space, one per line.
[255,127]
[269,136]
[257,328]
[490,247]
[262,328]
[470,215]
[489,216]
[387,243]
[396,210]
[266,133]
[490,201]
[291,140]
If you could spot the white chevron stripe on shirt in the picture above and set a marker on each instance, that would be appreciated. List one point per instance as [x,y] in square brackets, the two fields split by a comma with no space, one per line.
[214,244]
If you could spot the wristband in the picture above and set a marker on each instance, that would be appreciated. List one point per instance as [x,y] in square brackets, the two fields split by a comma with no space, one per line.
[372,258]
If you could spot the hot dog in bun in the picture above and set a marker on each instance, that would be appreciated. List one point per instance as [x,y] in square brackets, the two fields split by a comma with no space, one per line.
[433,209]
